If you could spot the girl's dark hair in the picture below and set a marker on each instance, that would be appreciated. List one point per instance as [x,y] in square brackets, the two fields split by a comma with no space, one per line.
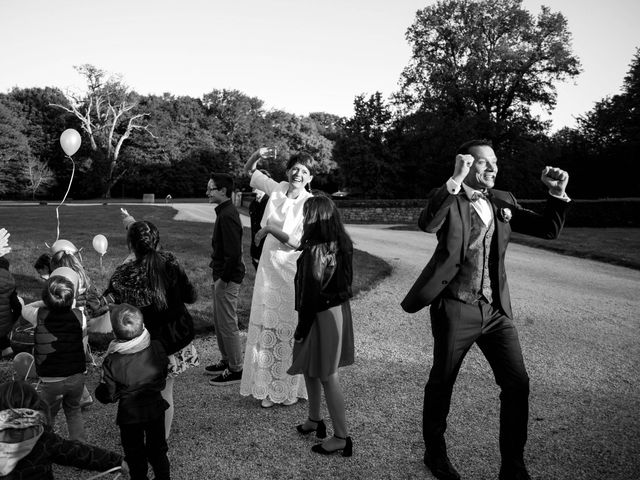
[303,158]
[21,394]
[322,224]
[58,293]
[143,238]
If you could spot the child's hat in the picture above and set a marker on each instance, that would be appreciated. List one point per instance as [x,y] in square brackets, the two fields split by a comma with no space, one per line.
[63,245]
[69,274]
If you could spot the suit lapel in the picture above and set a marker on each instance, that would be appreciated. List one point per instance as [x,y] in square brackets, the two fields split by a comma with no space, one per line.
[464,207]
[499,227]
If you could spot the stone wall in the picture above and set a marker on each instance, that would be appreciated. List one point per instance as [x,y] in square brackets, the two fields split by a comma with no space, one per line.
[582,213]
[386,215]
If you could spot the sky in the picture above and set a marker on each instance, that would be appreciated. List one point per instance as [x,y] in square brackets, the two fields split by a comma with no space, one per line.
[300,56]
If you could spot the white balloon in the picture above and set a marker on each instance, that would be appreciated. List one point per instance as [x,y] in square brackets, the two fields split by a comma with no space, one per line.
[100,244]
[70,141]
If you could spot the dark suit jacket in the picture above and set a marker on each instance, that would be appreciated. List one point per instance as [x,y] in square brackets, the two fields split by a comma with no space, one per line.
[449,217]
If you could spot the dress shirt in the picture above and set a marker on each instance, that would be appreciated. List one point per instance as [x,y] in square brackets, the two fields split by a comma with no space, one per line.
[480,205]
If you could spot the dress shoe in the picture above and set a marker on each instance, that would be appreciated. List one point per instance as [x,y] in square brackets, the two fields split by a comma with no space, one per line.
[515,473]
[347,450]
[440,466]
[266,403]
[321,429]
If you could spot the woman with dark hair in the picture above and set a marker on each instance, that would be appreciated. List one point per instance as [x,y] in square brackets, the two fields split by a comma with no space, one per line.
[28,444]
[273,317]
[157,284]
[324,335]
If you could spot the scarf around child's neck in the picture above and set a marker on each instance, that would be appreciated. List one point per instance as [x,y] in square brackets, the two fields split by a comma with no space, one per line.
[134,345]
[20,430]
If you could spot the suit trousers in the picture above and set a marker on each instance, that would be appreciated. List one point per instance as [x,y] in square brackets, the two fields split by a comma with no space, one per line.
[456,326]
[145,442]
[225,322]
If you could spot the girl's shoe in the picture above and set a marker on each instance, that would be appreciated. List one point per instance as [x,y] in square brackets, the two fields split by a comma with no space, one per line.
[347,450]
[266,403]
[288,403]
[321,429]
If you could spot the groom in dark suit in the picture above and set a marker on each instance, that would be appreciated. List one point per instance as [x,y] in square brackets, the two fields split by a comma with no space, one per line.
[465,284]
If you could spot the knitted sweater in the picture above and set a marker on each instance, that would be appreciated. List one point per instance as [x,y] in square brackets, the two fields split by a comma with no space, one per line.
[129,284]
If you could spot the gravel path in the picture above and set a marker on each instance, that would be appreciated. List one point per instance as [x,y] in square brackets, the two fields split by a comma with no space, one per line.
[579,327]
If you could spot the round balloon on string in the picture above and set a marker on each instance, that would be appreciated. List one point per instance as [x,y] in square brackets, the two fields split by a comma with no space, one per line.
[23,366]
[70,141]
[100,244]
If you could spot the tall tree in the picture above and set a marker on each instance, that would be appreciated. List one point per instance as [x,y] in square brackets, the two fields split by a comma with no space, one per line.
[615,120]
[14,149]
[108,115]
[612,132]
[42,128]
[234,120]
[368,165]
[489,58]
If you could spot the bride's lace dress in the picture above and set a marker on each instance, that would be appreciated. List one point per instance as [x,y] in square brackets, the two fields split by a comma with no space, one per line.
[273,317]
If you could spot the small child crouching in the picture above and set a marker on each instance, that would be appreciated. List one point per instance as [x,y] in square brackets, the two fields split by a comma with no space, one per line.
[134,373]
[28,444]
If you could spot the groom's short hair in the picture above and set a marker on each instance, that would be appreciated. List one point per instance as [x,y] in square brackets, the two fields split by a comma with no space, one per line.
[480,142]
[126,321]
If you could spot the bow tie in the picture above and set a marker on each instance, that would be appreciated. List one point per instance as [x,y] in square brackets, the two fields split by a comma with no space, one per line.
[475,196]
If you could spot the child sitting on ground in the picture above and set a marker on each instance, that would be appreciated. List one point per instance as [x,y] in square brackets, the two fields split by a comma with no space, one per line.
[58,349]
[28,445]
[134,373]
[10,307]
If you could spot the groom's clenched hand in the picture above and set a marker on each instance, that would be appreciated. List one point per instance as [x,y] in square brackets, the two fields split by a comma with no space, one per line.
[556,180]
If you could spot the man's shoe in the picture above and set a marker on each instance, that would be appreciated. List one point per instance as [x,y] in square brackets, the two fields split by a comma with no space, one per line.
[514,473]
[226,378]
[217,368]
[440,466]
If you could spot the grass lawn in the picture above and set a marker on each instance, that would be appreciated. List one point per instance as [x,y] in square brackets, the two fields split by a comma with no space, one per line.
[33,226]
[620,246]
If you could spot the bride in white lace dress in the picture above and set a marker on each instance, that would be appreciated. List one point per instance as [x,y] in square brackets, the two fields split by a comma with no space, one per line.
[273,319]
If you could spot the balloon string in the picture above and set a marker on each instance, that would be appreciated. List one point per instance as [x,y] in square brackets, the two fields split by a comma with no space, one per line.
[73,171]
